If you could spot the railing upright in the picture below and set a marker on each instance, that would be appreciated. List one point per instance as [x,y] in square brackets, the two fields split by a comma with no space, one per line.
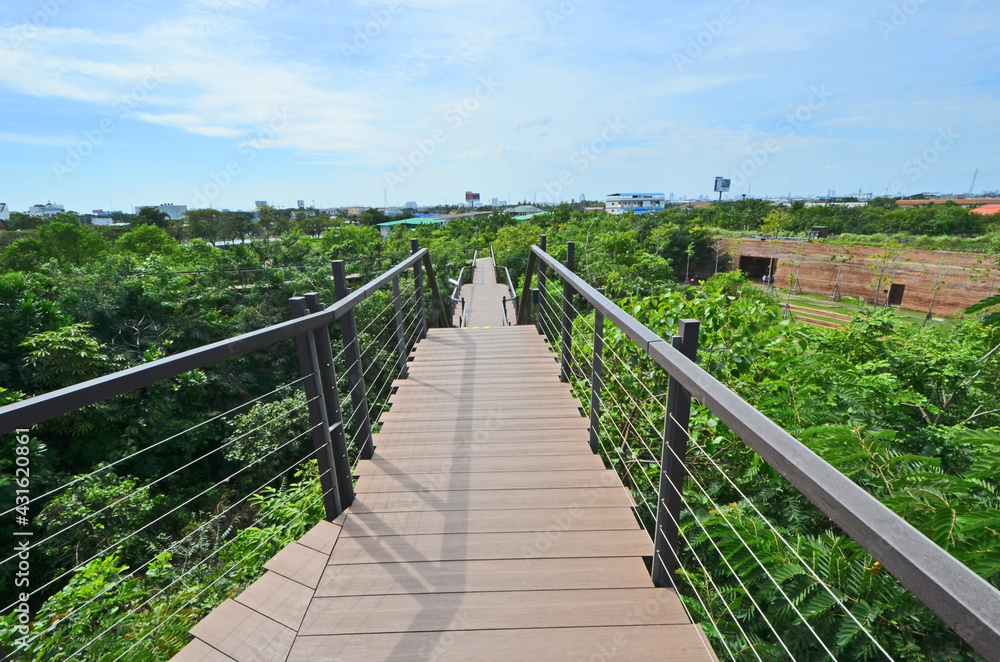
[534,302]
[309,365]
[418,276]
[355,370]
[597,380]
[567,316]
[334,412]
[673,458]
[541,289]
[397,303]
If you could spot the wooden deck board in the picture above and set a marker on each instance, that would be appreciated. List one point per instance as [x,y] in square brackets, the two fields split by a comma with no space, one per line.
[444,481]
[481,576]
[486,611]
[526,450]
[489,464]
[484,528]
[545,499]
[640,643]
[360,525]
[486,546]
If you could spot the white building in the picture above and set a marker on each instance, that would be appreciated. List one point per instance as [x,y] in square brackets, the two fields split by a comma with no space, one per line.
[619,203]
[4,212]
[47,210]
[173,212]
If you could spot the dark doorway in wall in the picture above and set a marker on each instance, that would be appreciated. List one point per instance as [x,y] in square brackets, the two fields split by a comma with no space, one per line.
[755,268]
[896,294]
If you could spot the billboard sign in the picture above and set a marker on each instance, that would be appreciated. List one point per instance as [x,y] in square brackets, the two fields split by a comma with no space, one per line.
[722,185]
[471,197]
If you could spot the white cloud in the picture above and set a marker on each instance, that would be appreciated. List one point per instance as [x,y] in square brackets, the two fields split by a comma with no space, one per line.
[41,141]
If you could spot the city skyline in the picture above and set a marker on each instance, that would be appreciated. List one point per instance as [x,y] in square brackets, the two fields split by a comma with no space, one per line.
[223,102]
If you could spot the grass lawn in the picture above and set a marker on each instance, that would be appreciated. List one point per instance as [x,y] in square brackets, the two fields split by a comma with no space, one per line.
[845,307]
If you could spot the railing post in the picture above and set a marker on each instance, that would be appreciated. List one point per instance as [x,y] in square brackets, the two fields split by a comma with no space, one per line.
[567,316]
[397,303]
[541,290]
[418,277]
[596,380]
[355,371]
[309,366]
[334,412]
[534,302]
[674,454]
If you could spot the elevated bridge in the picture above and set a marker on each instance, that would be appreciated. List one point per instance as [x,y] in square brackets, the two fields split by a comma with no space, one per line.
[488,496]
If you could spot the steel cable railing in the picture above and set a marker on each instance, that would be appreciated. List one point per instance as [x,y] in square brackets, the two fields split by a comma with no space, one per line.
[228,571]
[120,541]
[173,437]
[629,375]
[79,608]
[383,345]
[609,347]
[645,502]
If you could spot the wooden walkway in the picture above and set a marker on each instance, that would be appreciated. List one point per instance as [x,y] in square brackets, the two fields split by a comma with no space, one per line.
[484,529]
[484,304]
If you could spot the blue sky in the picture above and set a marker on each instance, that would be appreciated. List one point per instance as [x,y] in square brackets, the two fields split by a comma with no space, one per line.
[224,102]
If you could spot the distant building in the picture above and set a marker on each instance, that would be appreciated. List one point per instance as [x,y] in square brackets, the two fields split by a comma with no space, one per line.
[619,203]
[411,224]
[302,204]
[987,210]
[496,201]
[47,210]
[964,202]
[260,203]
[410,205]
[523,210]
[4,212]
[173,212]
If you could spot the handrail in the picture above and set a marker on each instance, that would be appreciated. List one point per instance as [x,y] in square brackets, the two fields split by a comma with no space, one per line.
[510,286]
[26,413]
[456,293]
[493,255]
[960,597]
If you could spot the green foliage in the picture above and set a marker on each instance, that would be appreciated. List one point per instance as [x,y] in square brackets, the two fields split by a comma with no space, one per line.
[146,241]
[63,357]
[152,216]
[109,610]
[992,307]
[909,413]
[95,514]
[70,242]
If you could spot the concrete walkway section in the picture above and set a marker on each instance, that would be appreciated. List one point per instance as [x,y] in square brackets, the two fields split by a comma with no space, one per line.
[484,299]
[484,528]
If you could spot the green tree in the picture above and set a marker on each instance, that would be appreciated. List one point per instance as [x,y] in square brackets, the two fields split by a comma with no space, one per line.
[371,217]
[152,216]
[25,254]
[63,357]
[71,242]
[147,240]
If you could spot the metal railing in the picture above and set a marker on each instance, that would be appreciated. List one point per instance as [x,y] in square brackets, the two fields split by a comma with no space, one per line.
[340,434]
[964,601]
[456,299]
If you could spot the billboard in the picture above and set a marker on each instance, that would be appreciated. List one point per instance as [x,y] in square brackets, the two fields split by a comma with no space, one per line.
[722,185]
[471,197]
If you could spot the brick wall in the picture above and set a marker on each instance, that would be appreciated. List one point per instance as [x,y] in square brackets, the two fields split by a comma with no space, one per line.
[965,279]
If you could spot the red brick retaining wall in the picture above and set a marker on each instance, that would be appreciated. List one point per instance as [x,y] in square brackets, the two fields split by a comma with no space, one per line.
[965,278]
